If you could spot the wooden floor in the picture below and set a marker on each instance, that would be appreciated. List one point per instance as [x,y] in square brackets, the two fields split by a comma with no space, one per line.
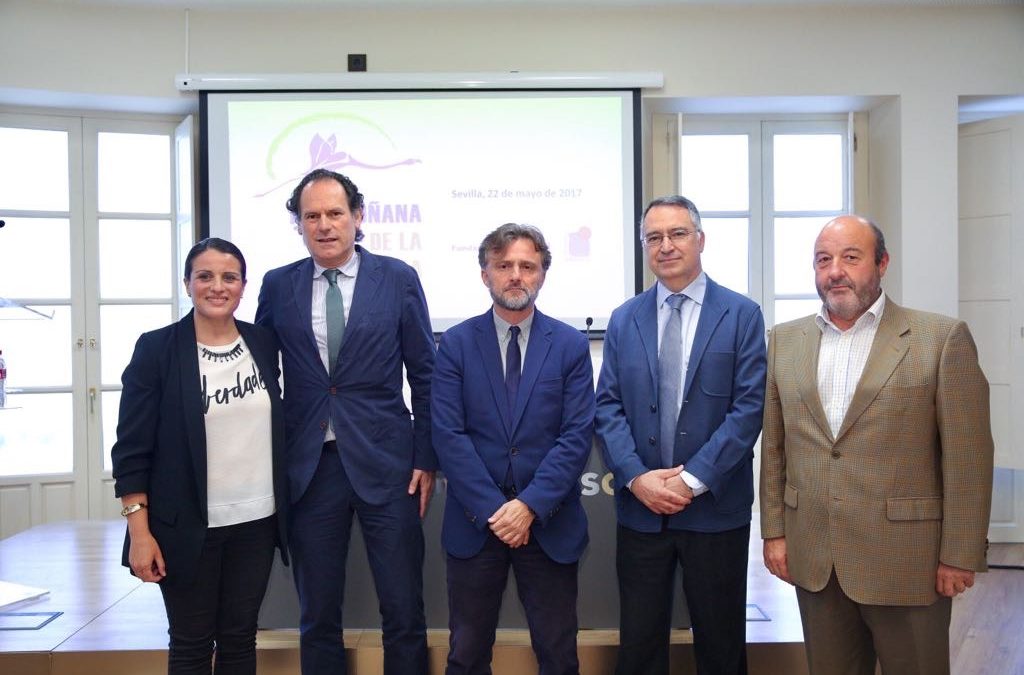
[111,624]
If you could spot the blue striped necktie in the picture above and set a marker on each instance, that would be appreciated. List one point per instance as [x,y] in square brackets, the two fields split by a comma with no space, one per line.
[670,374]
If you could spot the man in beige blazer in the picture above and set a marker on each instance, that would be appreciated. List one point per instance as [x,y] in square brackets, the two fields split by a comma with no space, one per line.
[876,468]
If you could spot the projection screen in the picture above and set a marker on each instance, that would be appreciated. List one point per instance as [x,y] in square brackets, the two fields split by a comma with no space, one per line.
[439,170]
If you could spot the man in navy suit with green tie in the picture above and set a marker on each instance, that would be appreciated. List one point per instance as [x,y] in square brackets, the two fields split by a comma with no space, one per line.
[348,322]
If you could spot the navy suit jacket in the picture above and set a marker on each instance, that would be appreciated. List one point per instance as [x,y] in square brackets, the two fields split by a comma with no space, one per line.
[723,401]
[161,440]
[388,327]
[547,438]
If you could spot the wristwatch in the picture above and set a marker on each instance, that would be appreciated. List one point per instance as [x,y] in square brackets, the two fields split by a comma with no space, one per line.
[132,508]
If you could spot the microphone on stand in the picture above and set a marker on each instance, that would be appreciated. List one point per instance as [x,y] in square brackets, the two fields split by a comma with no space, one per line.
[590,322]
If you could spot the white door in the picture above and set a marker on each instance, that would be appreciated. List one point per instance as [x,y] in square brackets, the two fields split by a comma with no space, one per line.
[42,442]
[991,197]
[88,247]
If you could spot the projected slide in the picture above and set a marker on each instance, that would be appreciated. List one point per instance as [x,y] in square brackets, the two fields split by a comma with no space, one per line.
[439,171]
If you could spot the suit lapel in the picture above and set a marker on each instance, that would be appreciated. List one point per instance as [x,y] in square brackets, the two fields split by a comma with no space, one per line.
[486,337]
[302,295]
[711,314]
[192,401]
[805,359]
[266,362]
[646,320]
[536,352]
[890,346]
[368,282]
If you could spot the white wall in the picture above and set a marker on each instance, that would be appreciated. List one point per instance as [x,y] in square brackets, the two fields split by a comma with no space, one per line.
[884,187]
[922,57]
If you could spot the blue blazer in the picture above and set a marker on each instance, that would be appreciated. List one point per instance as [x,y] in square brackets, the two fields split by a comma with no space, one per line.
[388,327]
[723,402]
[547,437]
[161,440]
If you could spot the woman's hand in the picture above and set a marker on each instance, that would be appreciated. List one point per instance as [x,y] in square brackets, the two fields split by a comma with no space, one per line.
[145,558]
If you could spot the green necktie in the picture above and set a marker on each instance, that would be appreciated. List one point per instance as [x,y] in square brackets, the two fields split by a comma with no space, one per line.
[335,317]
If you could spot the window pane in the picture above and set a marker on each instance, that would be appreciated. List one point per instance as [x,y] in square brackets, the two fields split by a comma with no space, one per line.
[110,401]
[36,258]
[35,434]
[726,251]
[184,161]
[38,353]
[34,169]
[120,328]
[135,259]
[185,242]
[794,254]
[134,173]
[787,310]
[808,172]
[713,171]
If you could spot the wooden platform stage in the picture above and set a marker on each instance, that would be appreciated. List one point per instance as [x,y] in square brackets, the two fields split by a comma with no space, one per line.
[111,624]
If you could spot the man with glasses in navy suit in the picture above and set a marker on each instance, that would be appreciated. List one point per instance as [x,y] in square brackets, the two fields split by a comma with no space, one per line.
[679,404]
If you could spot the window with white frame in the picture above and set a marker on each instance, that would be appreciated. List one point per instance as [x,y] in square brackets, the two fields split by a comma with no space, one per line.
[37,273]
[89,250]
[765,187]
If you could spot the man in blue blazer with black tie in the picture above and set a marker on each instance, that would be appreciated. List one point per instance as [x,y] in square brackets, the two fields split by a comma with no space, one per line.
[679,404]
[348,321]
[513,406]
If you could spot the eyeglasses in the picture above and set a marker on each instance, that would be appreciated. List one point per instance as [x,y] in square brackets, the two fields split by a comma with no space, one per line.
[655,239]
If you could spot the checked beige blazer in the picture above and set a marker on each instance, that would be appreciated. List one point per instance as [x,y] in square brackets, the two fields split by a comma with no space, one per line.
[906,483]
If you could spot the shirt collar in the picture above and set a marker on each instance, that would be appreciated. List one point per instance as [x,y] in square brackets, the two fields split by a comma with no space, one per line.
[695,291]
[349,269]
[872,316]
[502,326]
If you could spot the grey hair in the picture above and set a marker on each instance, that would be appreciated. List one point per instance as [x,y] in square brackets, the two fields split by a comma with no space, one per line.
[678,201]
[879,241]
[501,238]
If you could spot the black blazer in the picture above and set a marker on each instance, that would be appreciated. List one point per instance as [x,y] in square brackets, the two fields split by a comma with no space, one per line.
[161,440]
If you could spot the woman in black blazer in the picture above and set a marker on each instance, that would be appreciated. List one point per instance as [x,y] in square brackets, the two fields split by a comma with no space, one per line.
[199,467]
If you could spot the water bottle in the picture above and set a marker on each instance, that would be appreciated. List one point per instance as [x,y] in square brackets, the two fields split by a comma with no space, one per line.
[3,380]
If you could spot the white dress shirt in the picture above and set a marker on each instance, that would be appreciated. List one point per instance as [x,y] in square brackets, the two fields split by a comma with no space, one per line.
[690,314]
[841,359]
[347,285]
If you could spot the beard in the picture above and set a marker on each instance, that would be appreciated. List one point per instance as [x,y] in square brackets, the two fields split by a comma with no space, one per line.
[512,300]
[850,307]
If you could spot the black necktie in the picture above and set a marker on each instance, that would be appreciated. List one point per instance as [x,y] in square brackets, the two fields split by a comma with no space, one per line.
[513,368]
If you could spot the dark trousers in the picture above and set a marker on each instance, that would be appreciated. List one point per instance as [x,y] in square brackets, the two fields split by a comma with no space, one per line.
[218,612]
[547,590]
[321,525]
[714,568]
[843,637]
